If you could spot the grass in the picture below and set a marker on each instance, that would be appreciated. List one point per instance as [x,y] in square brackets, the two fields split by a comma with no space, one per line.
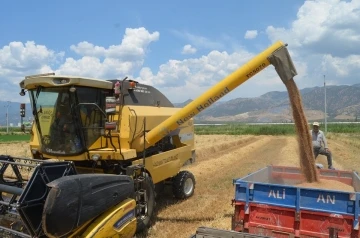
[14,137]
[11,129]
[227,129]
[278,129]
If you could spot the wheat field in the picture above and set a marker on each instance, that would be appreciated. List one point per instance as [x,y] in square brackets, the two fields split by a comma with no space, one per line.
[220,159]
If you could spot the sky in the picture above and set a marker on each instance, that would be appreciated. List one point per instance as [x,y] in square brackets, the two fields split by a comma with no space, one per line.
[181,48]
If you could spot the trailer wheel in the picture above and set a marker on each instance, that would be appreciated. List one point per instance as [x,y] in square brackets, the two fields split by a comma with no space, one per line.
[183,185]
[145,222]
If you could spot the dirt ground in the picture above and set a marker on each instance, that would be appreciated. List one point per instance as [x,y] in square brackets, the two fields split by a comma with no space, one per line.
[224,158]
[220,159]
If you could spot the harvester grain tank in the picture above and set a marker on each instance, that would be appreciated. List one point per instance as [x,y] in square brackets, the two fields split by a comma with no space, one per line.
[96,147]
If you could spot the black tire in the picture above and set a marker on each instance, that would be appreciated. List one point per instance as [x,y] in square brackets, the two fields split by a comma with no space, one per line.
[145,222]
[159,189]
[183,185]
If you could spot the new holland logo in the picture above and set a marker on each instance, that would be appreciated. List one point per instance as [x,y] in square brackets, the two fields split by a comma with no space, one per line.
[203,106]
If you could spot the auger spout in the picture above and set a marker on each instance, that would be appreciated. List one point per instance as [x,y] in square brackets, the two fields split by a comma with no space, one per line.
[276,54]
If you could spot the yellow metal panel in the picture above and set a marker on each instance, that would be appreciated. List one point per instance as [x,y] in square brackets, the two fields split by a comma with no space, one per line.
[153,115]
[34,139]
[98,143]
[109,153]
[132,121]
[187,134]
[51,81]
[66,158]
[167,164]
[119,221]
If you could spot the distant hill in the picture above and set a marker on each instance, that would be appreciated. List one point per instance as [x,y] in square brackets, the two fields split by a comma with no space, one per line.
[183,104]
[343,103]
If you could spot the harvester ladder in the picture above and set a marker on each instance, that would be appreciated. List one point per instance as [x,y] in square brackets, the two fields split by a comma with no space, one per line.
[140,184]
[140,193]
[138,173]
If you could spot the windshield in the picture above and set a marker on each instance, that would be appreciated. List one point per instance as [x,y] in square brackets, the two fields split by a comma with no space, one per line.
[65,126]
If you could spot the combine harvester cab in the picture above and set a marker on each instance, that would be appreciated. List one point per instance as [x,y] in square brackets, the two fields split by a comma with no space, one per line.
[273,203]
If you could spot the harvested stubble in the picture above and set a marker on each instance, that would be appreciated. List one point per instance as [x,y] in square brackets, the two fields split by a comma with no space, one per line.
[307,159]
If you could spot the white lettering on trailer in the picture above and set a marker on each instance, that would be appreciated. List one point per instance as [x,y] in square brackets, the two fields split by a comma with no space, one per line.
[328,199]
[277,194]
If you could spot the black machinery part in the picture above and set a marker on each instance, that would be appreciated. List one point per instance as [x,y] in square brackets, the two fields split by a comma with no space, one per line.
[83,197]
[25,197]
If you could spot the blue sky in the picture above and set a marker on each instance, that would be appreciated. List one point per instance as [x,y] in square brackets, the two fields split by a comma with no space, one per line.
[85,38]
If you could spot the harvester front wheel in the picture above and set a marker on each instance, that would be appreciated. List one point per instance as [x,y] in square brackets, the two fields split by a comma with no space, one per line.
[144,222]
[183,185]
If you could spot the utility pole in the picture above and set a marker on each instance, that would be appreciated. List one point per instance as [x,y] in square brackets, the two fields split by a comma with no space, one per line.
[325,116]
[7,117]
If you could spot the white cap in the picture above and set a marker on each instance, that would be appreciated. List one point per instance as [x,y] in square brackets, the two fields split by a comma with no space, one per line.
[316,124]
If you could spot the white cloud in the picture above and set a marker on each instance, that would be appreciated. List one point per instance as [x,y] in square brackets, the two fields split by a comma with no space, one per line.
[93,67]
[188,49]
[323,27]
[133,46]
[18,59]
[251,34]
[203,71]
[18,56]
[343,67]
[114,61]
[325,36]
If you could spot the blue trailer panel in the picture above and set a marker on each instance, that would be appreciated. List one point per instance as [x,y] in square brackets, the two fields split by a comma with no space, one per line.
[277,187]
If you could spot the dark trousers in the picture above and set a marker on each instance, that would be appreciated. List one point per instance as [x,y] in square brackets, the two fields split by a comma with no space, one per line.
[322,151]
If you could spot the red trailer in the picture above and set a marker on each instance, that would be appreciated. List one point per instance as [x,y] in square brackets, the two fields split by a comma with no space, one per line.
[270,203]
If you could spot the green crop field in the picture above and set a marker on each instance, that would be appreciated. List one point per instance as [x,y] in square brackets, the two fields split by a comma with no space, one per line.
[226,129]
[4,138]
[270,129]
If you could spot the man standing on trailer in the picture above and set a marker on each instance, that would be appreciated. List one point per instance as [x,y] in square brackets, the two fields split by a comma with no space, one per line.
[320,145]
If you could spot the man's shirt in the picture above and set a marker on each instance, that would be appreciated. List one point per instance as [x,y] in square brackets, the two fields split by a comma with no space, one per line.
[318,139]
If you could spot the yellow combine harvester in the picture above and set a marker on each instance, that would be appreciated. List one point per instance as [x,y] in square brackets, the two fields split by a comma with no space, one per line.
[100,148]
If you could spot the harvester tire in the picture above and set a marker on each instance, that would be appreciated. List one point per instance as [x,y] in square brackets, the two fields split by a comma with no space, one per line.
[144,223]
[183,185]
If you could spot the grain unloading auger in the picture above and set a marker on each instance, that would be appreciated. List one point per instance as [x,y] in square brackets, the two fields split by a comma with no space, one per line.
[102,147]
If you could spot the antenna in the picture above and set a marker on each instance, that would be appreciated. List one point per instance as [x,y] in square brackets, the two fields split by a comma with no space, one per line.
[325,116]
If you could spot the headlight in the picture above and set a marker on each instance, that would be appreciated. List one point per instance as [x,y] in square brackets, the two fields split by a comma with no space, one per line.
[95,157]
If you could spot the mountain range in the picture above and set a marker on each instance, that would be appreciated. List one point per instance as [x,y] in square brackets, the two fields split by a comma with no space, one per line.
[343,104]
